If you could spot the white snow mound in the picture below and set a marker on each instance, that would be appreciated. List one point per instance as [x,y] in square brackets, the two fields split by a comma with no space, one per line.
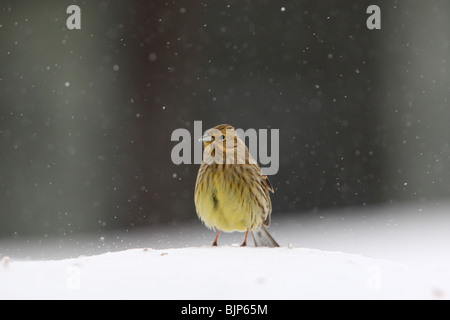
[225,272]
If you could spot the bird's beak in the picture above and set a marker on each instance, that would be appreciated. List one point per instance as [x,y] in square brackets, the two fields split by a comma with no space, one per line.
[206,138]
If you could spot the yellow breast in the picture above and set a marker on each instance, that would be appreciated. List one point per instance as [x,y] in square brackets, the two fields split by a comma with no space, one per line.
[228,199]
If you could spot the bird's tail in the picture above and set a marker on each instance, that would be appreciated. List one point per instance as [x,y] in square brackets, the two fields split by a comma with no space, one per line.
[263,238]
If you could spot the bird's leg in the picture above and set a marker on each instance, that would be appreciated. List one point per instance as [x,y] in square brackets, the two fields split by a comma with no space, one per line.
[244,244]
[217,238]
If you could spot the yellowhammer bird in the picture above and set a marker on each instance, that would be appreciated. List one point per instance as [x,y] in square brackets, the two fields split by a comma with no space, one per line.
[231,192]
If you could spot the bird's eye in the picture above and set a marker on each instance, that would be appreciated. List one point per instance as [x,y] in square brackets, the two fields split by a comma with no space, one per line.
[222,137]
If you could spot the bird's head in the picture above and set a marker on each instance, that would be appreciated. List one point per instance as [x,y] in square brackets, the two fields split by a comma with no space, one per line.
[223,145]
[218,136]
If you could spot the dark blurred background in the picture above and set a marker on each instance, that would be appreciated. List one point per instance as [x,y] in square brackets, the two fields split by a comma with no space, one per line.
[86,116]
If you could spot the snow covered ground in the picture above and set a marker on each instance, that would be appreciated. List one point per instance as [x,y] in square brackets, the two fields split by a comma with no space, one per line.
[330,255]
